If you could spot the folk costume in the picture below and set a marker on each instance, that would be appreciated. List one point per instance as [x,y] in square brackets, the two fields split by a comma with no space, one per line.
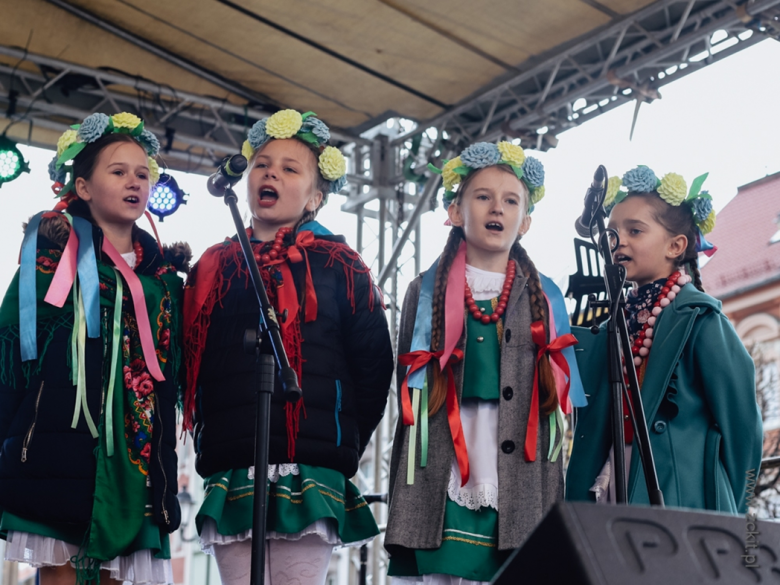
[488,454]
[697,384]
[336,337]
[89,366]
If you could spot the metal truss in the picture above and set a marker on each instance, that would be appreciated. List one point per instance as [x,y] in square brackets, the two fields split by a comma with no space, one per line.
[196,131]
[629,58]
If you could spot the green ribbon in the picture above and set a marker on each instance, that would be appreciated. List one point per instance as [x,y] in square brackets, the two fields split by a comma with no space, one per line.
[424,424]
[78,348]
[116,350]
[556,421]
[413,437]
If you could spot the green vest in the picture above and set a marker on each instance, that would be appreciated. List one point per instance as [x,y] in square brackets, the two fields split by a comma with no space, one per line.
[483,354]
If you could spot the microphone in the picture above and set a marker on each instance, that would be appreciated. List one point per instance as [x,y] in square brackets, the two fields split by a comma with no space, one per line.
[593,203]
[228,174]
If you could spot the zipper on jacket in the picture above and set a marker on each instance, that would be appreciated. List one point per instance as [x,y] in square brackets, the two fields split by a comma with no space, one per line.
[338,410]
[159,458]
[28,437]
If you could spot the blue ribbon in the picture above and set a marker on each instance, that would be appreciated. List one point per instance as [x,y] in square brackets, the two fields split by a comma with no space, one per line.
[88,275]
[702,245]
[316,228]
[562,327]
[28,311]
[421,338]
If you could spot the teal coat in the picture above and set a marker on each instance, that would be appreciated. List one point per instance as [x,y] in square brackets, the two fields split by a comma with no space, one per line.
[700,405]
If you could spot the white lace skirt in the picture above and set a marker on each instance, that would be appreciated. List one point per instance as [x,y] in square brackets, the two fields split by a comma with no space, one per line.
[479,419]
[139,568]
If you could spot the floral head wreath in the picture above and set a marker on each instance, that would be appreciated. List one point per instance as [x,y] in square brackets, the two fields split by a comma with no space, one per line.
[310,130]
[673,189]
[485,154]
[73,141]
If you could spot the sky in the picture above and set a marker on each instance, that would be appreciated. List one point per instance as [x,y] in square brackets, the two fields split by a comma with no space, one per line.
[722,120]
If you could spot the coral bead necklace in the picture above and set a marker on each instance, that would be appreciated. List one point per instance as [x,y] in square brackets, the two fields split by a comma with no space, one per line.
[276,248]
[471,305]
[644,340]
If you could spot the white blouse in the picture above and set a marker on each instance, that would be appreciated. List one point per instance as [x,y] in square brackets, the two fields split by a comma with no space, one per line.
[480,421]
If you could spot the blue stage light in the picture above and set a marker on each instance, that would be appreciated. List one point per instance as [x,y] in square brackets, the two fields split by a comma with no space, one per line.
[166,197]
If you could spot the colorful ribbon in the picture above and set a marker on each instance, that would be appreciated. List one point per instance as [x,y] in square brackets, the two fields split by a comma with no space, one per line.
[419,359]
[86,268]
[554,350]
[297,253]
[116,351]
[702,245]
[419,404]
[421,337]
[412,440]
[28,310]
[78,367]
[141,314]
[559,325]
[89,281]
[453,305]
[65,274]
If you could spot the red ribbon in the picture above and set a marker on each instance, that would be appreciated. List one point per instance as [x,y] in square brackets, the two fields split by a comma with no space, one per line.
[554,350]
[419,359]
[288,297]
[296,253]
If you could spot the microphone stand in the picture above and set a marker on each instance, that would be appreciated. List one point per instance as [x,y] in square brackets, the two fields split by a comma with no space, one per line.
[618,342]
[266,343]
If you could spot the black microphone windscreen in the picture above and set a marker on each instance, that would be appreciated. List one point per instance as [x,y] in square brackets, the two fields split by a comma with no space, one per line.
[583,230]
[236,165]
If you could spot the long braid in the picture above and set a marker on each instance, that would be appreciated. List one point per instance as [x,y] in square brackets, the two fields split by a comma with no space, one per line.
[693,269]
[438,393]
[549,394]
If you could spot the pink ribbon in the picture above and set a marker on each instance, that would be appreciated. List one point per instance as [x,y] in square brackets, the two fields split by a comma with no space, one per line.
[454,307]
[60,286]
[139,303]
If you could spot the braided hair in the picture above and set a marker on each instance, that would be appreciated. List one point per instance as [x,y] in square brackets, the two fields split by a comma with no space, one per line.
[677,220]
[438,394]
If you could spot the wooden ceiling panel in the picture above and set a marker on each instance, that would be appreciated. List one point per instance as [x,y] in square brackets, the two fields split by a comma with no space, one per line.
[58,34]
[351,61]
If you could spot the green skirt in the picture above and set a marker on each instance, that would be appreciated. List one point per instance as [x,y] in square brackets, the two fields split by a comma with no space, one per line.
[469,548]
[294,503]
[151,536]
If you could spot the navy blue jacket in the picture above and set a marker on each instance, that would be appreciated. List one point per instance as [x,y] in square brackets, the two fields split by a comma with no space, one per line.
[347,370]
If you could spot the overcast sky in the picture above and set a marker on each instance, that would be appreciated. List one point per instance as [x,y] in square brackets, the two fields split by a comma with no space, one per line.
[723,119]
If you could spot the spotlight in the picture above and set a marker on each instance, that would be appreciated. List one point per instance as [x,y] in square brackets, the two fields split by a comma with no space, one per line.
[166,197]
[12,163]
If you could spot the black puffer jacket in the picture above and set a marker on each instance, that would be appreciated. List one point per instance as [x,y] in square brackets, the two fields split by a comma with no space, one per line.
[347,369]
[47,469]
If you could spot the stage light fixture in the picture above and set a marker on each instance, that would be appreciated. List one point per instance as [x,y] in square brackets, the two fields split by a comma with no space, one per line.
[166,197]
[12,163]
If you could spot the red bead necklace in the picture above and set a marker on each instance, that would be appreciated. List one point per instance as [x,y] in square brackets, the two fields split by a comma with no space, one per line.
[276,248]
[644,340]
[471,305]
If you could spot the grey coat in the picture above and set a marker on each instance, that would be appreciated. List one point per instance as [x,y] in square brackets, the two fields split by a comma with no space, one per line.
[526,491]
